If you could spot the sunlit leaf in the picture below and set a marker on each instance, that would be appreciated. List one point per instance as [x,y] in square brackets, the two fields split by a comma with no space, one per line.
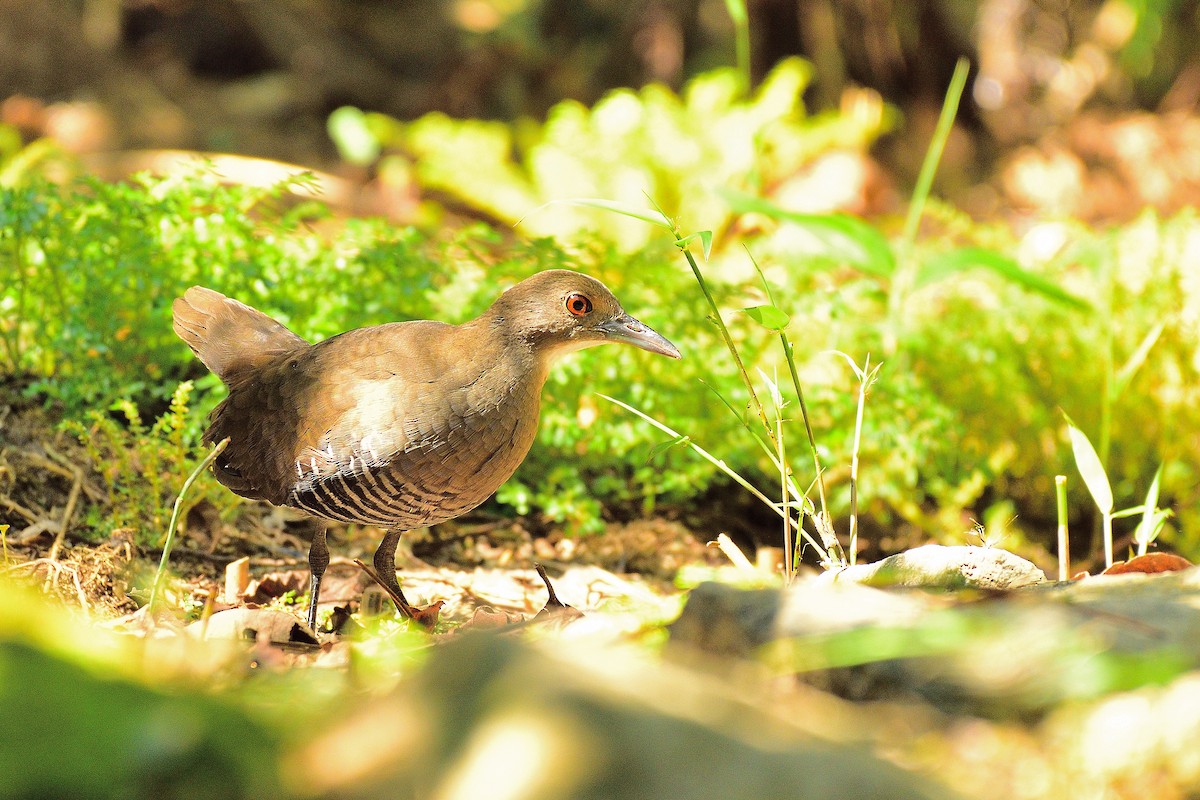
[773,388]
[625,209]
[769,317]
[352,135]
[954,262]
[705,238]
[1135,361]
[663,447]
[1152,519]
[857,369]
[1090,468]
[762,277]
[839,238]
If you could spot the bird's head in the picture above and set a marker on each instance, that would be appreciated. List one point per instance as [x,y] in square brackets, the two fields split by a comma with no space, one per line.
[558,311]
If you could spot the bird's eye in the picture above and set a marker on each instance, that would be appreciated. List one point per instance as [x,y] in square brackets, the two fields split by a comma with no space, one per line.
[579,305]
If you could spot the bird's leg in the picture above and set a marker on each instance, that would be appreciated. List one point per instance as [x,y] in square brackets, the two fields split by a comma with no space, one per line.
[385,566]
[318,560]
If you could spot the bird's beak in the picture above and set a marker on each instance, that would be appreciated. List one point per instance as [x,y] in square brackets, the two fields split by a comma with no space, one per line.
[628,330]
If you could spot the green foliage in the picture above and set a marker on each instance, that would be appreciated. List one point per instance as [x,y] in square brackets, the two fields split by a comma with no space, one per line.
[632,144]
[142,467]
[964,410]
[95,266]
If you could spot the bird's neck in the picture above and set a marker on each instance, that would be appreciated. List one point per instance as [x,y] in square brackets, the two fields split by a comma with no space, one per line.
[507,351]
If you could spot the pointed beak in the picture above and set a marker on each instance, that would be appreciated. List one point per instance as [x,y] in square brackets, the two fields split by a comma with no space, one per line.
[628,330]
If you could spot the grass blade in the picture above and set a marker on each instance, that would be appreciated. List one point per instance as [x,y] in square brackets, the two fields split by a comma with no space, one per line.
[722,466]
[840,238]
[625,209]
[1087,461]
[966,258]
[1135,361]
[160,576]
[933,156]
[1147,527]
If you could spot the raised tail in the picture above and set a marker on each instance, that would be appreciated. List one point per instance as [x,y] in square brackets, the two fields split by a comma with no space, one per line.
[231,338]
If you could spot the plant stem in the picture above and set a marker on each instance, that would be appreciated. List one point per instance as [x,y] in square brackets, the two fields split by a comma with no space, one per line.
[812,440]
[788,550]
[728,339]
[1108,395]
[1064,545]
[721,465]
[904,275]
[176,510]
[858,424]
[741,26]
[1108,542]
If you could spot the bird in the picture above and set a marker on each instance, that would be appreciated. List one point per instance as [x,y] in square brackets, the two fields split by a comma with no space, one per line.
[400,425]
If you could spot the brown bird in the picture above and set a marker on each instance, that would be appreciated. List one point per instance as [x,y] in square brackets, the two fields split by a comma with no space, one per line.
[400,425]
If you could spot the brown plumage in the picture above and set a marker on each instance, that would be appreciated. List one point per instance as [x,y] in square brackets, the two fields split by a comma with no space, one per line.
[400,425]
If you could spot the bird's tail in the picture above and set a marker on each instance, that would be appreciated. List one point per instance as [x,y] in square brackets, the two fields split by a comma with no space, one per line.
[231,338]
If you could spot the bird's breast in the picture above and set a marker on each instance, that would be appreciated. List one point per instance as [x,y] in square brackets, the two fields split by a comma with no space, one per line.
[430,459]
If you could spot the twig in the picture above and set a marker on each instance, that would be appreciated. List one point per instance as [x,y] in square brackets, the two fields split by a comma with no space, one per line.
[552,600]
[13,505]
[59,465]
[31,532]
[425,617]
[68,513]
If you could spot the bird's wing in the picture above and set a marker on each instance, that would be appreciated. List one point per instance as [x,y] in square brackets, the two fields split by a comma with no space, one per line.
[231,338]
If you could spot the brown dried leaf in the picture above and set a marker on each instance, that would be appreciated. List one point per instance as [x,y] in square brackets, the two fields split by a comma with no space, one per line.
[1150,563]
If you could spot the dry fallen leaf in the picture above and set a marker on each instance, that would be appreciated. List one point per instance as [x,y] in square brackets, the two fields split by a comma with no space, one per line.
[1150,564]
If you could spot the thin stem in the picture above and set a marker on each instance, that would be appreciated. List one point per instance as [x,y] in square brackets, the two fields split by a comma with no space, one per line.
[741,26]
[1108,540]
[721,465]
[865,379]
[161,575]
[812,440]
[728,339]
[789,556]
[903,277]
[1064,546]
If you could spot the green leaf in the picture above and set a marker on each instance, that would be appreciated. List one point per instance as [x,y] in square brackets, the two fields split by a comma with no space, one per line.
[859,371]
[769,317]
[1131,366]
[352,135]
[955,261]
[1147,528]
[705,238]
[761,276]
[1091,470]
[645,215]
[737,11]
[837,237]
[773,389]
[941,133]
[663,447]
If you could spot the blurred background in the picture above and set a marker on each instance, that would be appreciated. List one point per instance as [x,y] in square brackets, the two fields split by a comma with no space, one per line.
[1076,81]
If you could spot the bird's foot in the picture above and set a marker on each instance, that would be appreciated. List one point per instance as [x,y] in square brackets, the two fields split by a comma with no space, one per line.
[426,617]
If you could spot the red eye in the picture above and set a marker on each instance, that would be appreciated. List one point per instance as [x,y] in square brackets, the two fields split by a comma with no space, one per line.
[579,305]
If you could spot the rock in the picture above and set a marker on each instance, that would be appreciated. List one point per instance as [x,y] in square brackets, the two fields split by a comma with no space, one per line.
[939,566]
